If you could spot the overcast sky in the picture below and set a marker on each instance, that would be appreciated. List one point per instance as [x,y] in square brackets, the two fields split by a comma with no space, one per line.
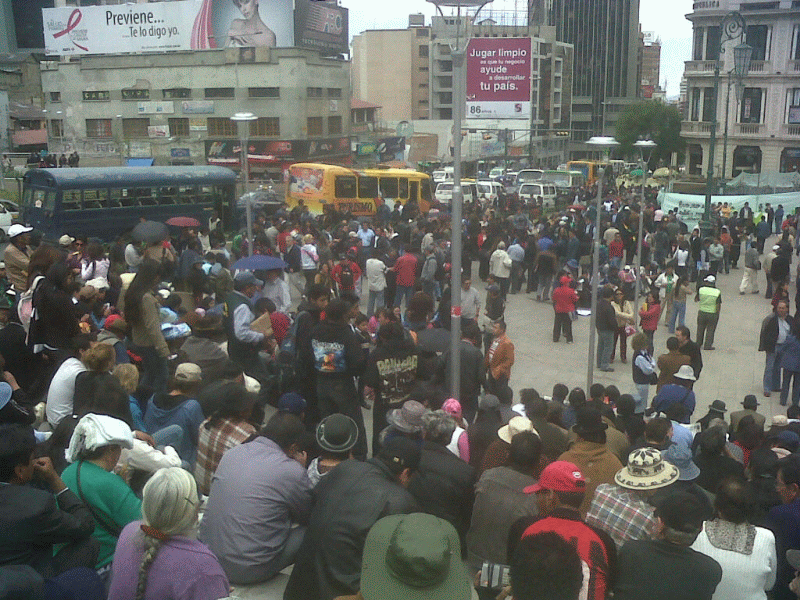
[665,18]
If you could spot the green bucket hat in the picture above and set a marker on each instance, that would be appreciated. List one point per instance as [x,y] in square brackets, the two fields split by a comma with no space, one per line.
[414,557]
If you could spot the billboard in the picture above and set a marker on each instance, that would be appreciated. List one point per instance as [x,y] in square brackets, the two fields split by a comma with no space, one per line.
[322,26]
[167,26]
[499,78]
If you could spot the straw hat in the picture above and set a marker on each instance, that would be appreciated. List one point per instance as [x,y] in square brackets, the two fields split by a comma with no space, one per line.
[646,470]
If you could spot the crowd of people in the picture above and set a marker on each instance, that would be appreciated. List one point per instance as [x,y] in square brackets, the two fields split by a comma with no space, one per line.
[172,425]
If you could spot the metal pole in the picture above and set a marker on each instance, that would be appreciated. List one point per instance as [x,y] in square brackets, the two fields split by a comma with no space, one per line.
[725,136]
[705,225]
[455,223]
[245,161]
[639,238]
[595,282]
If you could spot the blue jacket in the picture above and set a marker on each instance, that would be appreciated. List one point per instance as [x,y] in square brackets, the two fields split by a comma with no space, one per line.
[784,521]
[790,358]
[161,413]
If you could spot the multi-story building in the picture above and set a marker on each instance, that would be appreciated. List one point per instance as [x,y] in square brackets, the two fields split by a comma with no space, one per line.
[649,64]
[605,35]
[764,126]
[177,107]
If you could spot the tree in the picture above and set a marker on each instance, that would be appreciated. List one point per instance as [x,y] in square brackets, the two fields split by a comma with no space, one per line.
[653,120]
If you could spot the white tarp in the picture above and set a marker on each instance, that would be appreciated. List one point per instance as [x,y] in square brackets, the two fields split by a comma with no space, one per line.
[766,180]
[690,206]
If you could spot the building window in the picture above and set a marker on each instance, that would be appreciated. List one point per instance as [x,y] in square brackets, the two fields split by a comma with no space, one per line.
[314,92]
[221,127]
[712,43]
[422,32]
[334,125]
[423,69]
[176,93]
[314,126]
[758,37]
[334,92]
[263,92]
[98,128]
[96,96]
[56,128]
[219,93]
[708,104]
[793,106]
[179,127]
[265,127]
[135,128]
[135,94]
[794,52]
[695,105]
[55,96]
[423,51]
[752,102]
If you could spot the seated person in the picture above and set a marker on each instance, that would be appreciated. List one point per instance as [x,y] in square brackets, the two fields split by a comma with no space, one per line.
[178,407]
[159,556]
[94,450]
[204,347]
[336,436]
[97,390]
[61,393]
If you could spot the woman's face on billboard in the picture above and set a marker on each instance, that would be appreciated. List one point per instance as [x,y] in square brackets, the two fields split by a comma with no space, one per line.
[248,8]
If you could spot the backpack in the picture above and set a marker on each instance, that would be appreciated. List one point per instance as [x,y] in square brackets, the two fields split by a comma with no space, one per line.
[27,311]
[346,278]
[288,356]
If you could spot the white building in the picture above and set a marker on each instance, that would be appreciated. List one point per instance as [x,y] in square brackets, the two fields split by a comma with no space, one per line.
[764,128]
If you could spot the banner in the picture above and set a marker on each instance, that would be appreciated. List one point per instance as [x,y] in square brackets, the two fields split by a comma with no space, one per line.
[167,26]
[197,107]
[499,78]
[691,206]
[321,26]
[265,152]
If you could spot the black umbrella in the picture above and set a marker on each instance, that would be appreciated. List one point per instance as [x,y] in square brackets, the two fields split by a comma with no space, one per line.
[150,231]
[434,340]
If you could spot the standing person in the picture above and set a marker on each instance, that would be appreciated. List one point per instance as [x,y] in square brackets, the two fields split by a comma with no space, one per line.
[784,522]
[500,267]
[665,282]
[752,265]
[545,269]
[680,291]
[17,255]
[243,342]
[767,265]
[376,281]
[649,314]
[670,363]
[564,299]
[623,310]
[309,260]
[708,312]
[790,363]
[470,299]
[294,270]
[428,275]
[775,331]
[335,351]
[147,340]
[517,254]
[499,360]
[690,349]
[473,371]
[405,268]
[644,371]
[606,325]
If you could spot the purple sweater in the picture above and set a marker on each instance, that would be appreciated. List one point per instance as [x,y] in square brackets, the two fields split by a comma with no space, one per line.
[183,569]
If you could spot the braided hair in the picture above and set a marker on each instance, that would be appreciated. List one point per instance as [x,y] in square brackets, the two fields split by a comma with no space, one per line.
[169,508]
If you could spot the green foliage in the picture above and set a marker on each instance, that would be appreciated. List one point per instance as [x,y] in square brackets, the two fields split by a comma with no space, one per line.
[653,120]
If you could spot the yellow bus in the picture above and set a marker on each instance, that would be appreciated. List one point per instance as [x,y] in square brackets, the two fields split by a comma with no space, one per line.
[359,192]
[590,169]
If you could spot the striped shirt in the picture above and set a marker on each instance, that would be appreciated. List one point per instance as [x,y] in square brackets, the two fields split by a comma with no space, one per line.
[213,442]
[621,513]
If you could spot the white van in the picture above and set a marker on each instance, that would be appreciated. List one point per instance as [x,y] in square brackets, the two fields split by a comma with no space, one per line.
[530,192]
[444,192]
[488,192]
[9,213]
[440,175]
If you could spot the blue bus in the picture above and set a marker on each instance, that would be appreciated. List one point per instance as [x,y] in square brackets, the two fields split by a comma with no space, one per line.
[105,202]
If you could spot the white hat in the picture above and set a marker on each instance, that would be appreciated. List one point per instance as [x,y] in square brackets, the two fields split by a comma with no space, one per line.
[98,283]
[188,373]
[776,247]
[515,425]
[95,431]
[710,279]
[66,240]
[17,229]
[685,372]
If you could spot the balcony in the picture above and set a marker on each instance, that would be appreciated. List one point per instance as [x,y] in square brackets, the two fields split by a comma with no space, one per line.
[790,130]
[760,67]
[794,66]
[755,129]
[696,127]
[699,66]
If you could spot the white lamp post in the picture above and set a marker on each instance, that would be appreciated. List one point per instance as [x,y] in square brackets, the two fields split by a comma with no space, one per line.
[599,143]
[242,120]
[458,52]
[641,145]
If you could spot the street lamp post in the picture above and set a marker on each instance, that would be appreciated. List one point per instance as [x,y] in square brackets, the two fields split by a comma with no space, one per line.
[742,54]
[458,52]
[732,27]
[601,143]
[242,120]
[641,144]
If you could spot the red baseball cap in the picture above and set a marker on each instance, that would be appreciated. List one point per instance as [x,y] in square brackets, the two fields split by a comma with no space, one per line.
[559,476]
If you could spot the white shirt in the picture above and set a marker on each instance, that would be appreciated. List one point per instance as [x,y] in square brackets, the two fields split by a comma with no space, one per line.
[783,330]
[376,274]
[61,395]
[278,292]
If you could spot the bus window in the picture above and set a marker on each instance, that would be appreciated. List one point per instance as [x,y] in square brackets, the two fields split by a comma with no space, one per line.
[345,186]
[414,191]
[389,187]
[38,198]
[71,200]
[426,190]
[95,198]
[27,197]
[50,201]
[367,187]
[206,194]
[187,194]
[403,187]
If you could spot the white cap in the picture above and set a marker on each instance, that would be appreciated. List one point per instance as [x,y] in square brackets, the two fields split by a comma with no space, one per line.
[776,247]
[17,229]
[710,279]
[98,283]
[66,240]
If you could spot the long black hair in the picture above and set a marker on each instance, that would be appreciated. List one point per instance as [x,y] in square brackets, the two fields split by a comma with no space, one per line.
[148,275]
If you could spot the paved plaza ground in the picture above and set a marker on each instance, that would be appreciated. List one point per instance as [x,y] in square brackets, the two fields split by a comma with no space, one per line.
[730,372]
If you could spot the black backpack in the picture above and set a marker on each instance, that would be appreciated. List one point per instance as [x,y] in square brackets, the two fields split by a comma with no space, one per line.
[346,278]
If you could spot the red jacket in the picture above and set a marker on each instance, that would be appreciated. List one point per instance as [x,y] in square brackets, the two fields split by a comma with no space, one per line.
[406,269]
[650,316]
[564,299]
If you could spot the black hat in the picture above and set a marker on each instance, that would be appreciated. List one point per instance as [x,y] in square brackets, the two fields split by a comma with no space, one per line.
[337,433]
[401,451]
[718,406]
[750,401]
[588,419]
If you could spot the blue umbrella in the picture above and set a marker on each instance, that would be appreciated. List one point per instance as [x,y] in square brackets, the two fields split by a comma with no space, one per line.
[259,262]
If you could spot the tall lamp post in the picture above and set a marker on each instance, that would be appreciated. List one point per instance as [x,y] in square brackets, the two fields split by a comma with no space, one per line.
[242,120]
[602,143]
[732,27]
[641,145]
[742,55]
[458,52]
